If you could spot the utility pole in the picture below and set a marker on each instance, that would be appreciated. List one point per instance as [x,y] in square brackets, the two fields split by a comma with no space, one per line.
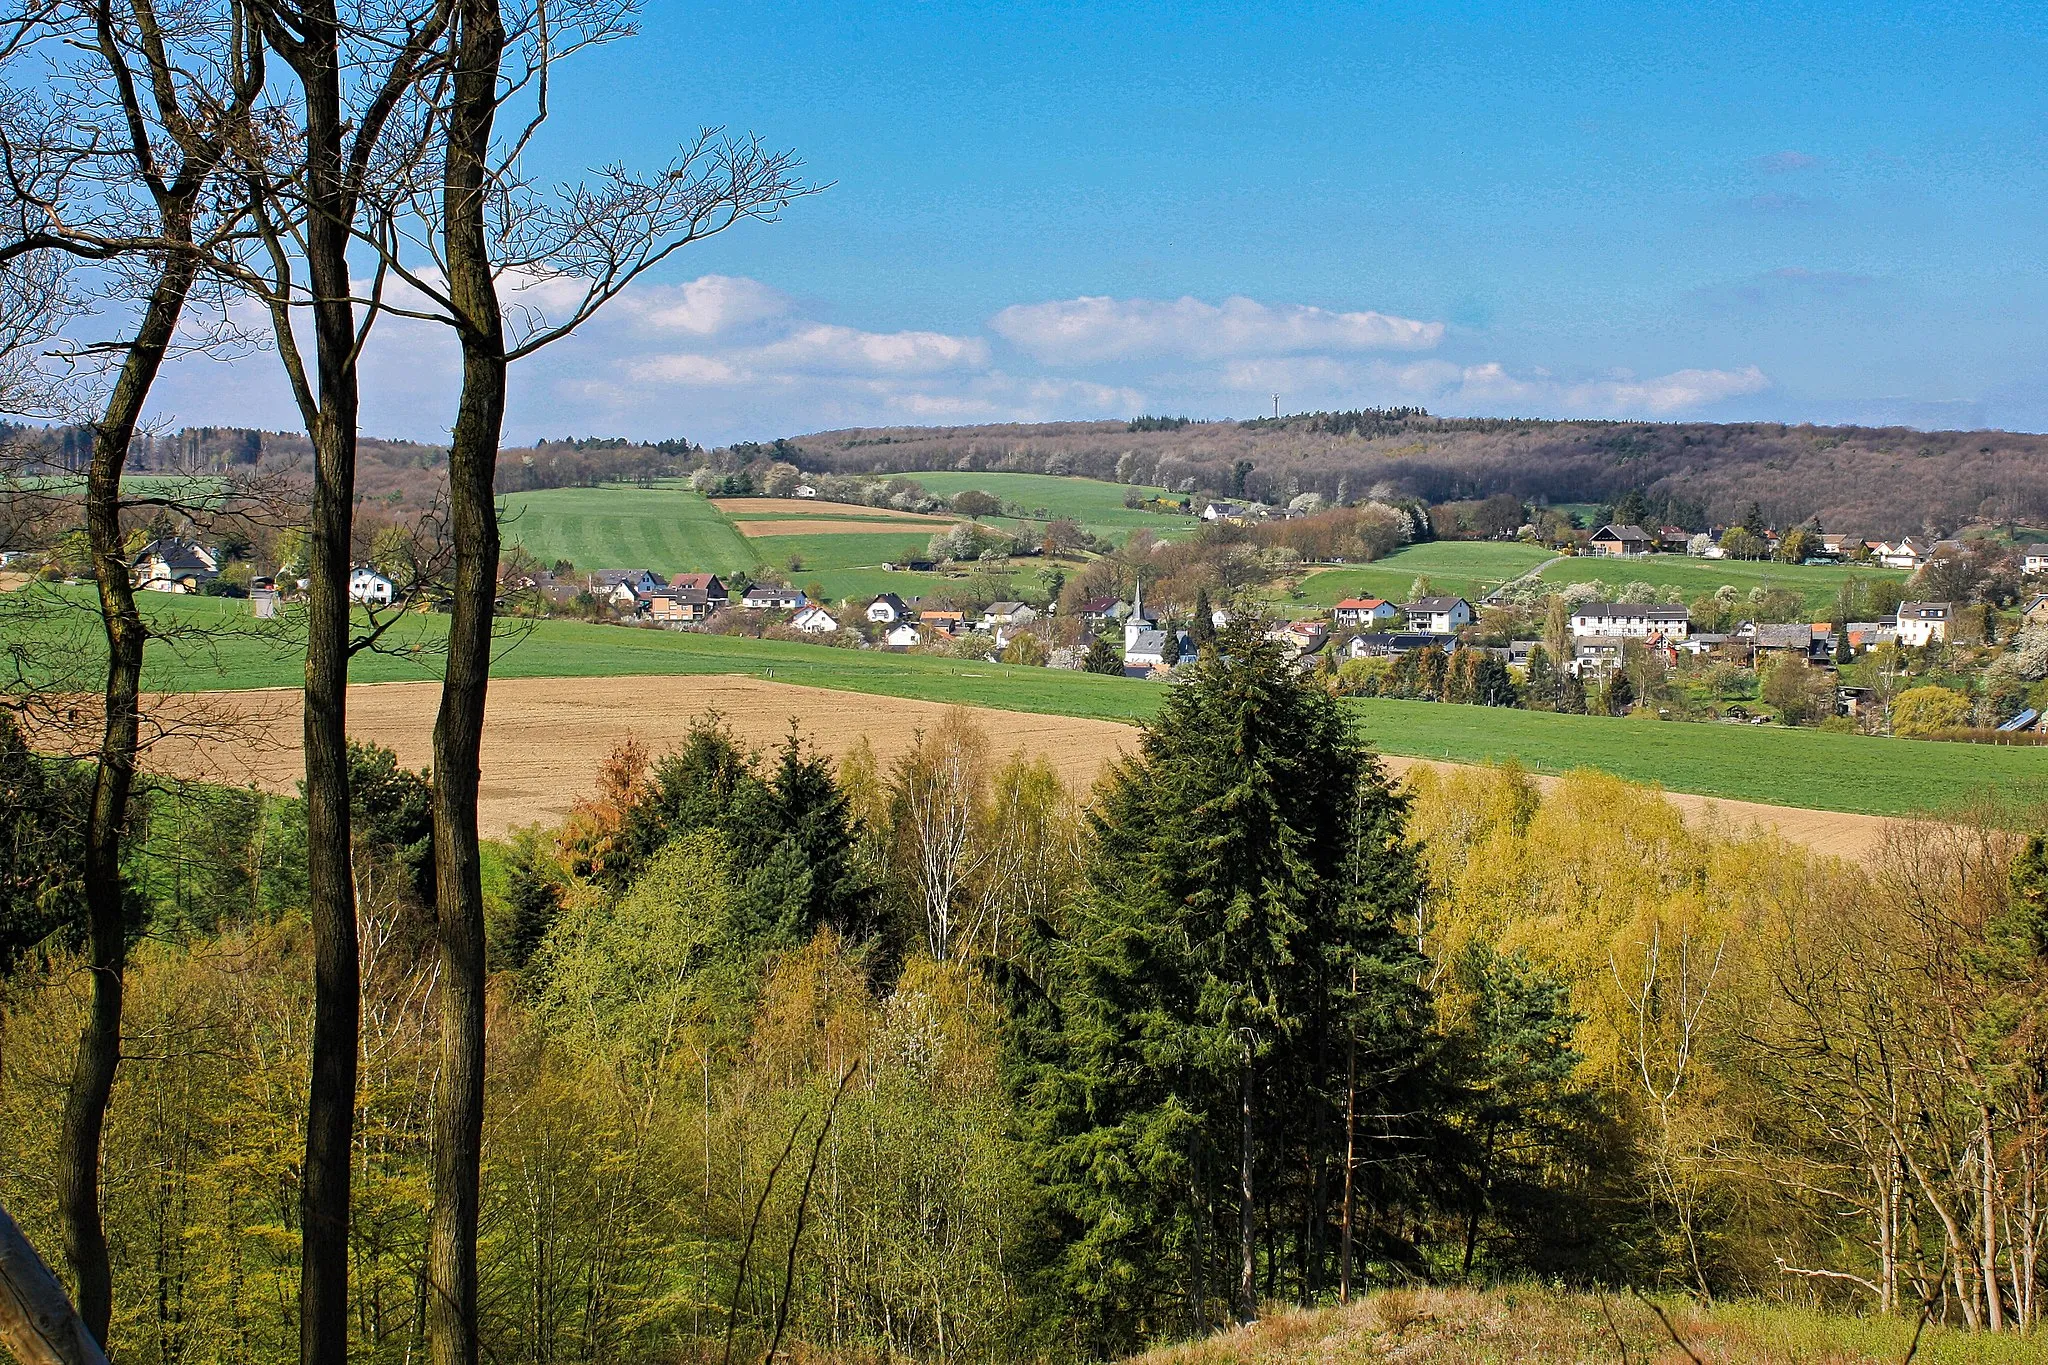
[1276,407]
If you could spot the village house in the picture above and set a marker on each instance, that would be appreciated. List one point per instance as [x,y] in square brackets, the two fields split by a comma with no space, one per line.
[887,610]
[678,606]
[369,587]
[1007,614]
[902,635]
[1923,623]
[773,597]
[714,591]
[1099,612]
[1673,540]
[1438,615]
[1363,612]
[174,565]
[1387,644]
[1791,642]
[2035,610]
[1631,620]
[2034,559]
[1595,657]
[1904,554]
[1620,541]
[814,620]
[1837,547]
[637,582]
[804,490]
[952,622]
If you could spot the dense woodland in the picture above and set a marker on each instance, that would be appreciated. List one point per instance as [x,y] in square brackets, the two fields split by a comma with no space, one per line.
[1873,481]
[937,1058]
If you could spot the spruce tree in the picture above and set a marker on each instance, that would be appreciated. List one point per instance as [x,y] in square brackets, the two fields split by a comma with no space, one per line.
[1203,627]
[1102,657]
[1180,1055]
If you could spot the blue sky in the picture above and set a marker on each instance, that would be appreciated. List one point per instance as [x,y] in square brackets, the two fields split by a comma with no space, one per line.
[1788,212]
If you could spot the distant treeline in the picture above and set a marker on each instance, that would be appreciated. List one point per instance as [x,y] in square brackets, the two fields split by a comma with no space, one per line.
[1876,481]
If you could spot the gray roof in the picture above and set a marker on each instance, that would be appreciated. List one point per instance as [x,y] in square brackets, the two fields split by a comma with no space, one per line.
[1434,604]
[1926,611]
[1653,611]
[1626,532]
[1784,637]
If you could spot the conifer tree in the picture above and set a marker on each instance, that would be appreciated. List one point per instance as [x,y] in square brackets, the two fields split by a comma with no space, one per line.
[1102,657]
[1203,627]
[1183,1044]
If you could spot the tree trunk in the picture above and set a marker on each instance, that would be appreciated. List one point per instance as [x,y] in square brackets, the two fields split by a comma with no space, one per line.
[479,42]
[37,1323]
[1247,1206]
[99,1045]
[330,871]
[1350,1150]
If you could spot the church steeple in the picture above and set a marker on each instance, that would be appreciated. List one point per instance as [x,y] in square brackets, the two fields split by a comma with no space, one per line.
[1137,620]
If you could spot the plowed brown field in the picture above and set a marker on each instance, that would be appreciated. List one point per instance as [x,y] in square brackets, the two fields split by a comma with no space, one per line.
[816,508]
[819,526]
[547,736]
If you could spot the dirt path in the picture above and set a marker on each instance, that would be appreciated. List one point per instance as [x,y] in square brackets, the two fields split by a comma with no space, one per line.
[547,736]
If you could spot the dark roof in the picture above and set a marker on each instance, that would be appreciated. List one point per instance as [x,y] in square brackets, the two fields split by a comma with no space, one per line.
[1926,611]
[893,600]
[2038,548]
[1784,637]
[1623,533]
[1434,604]
[1652,610]
[179,556]
[703,582]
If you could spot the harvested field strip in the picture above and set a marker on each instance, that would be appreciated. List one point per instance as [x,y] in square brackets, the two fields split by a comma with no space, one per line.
[817,526]
[547,736]
[747,509]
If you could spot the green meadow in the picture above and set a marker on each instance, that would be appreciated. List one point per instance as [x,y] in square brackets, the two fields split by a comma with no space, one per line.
[1817,583]
[1789,767]
[667,527]
[1461,568]
[1097,506]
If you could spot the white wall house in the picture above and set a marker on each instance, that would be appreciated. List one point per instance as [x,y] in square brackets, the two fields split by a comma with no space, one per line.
[2035,560]
[903,635]
[814,621]
[887,609]
[1438,615]
[1922,623]
[174,566]
[1631,620]
[369,587]
[1365,613]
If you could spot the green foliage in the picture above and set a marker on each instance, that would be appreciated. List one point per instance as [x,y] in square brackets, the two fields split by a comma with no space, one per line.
[392,809]
[1103,657]
[44,805]
[1238,934]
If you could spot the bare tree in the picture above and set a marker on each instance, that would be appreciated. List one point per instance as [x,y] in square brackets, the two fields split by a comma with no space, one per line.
[121,167]
[443,242]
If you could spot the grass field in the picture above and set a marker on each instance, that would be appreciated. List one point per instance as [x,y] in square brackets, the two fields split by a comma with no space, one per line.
[668,528]
[1544,1325]
[1788,767]
[1097,506]
[1463,568]
[1818,583]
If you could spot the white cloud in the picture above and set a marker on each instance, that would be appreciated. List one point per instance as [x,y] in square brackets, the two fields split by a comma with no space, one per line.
[822,347]
[707,305]
[1682,391]
[1093,329]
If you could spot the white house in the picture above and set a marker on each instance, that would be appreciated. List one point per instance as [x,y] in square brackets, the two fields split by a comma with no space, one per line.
[814,621]
[902,635]
[174,566]
[1438,615]
[1363,612]
[1007,614]
[887,610]
[804,490]
[1225,511]
[369,587]
[1621,542]
[1922,623]
[773,597]
[1631,620]
[1904,554]
[2035,559]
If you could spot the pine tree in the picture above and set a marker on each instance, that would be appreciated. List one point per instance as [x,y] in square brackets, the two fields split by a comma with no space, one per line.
[1619,694]
[1203,627]
[1102,657]
[1543,677]
[1571,694]
[1186,1040]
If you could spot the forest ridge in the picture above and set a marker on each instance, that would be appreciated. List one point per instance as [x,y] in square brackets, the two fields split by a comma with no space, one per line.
[1862,480]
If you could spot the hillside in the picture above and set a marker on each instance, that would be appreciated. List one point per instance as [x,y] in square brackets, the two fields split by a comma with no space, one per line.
[1876,481]
[1532,1325]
